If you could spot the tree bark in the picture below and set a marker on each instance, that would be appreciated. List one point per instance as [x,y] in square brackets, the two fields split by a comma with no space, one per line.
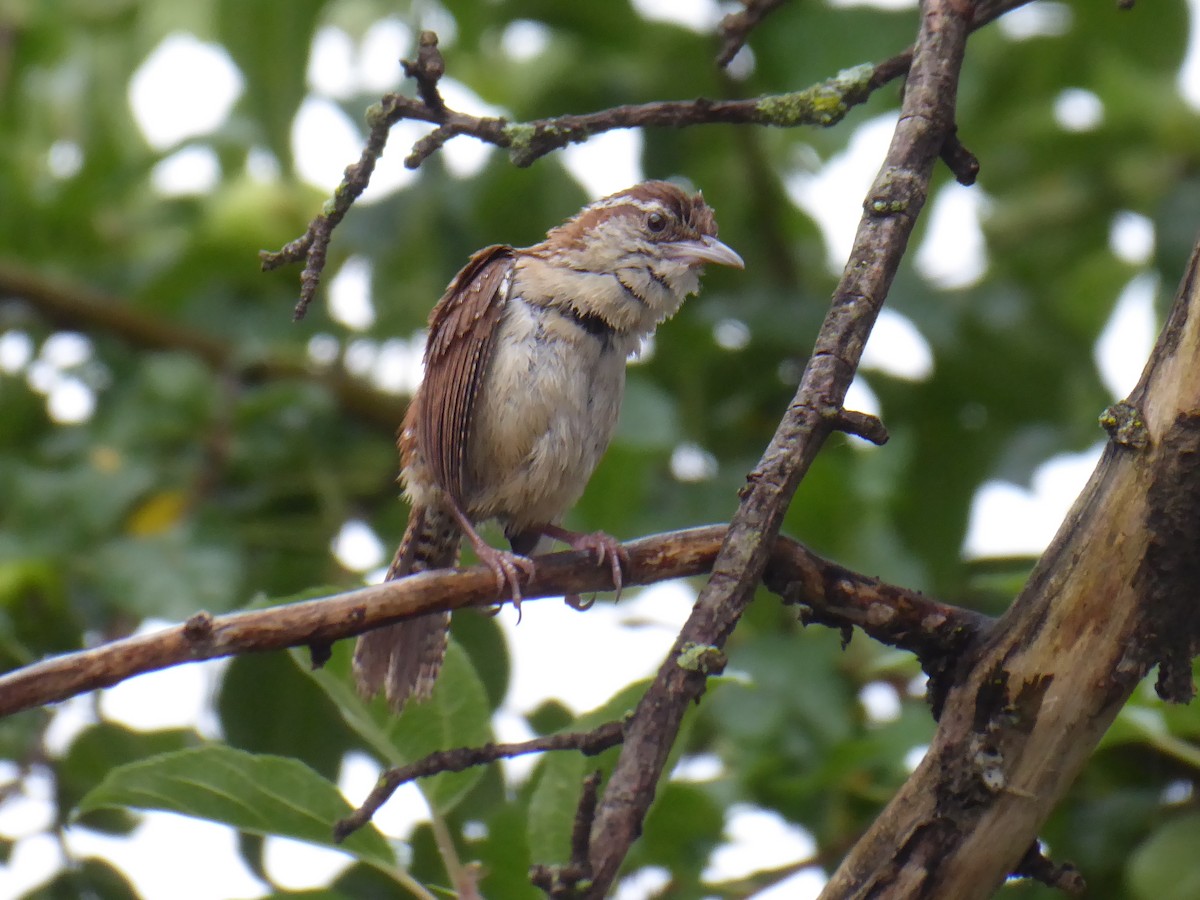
[1113,596]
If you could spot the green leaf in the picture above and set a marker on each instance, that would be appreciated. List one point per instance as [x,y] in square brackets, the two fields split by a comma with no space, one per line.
[1164,866]
[553,805]
[270,43]
[457,715]
[264,795]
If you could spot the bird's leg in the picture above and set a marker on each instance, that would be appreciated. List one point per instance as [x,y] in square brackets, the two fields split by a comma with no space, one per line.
[507,567]
[602,546]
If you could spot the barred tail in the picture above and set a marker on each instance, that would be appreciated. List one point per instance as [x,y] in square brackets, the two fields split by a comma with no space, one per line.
[404,659]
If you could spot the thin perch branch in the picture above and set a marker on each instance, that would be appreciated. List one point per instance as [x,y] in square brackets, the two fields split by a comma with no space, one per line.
[316,622]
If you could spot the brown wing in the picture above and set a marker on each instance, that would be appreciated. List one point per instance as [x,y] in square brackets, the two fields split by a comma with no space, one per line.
[462,333]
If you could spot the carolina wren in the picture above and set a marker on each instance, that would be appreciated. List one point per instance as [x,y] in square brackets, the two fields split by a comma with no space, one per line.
[524,372]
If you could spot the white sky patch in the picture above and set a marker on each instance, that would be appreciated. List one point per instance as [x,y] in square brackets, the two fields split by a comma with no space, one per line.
[465,156]
[861,398]
[524,39]
[188,172]
[642,883]
[399,367]
[1131,238]
[70,401]
[29,810]
[297,866]
[743,64]
[184,88]
[833,195]
[1045,19]
[897,348]
[64,159]
[357,546]
[1125,343]
[41,376]
[261,165]
[66,349]
[913,757]
[324,142]
[350,294]
[331,63]
[163,846]
[359,358]
[178,697]
[1189,72]
[16,350]
[701,16]
[731,334]
[1009,520]
[31,862]
[398,816]
[954,252]
[757,839]
[691,462]
[1076,109]
[567,655]
[379,54]
[880,701]
[698,768]
[606,163]
[323,349]
[70,718]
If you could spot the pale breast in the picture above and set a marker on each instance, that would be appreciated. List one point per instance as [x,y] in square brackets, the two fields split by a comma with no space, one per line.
[546,414]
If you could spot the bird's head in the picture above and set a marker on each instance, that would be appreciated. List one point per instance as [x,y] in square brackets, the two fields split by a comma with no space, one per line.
[644,246]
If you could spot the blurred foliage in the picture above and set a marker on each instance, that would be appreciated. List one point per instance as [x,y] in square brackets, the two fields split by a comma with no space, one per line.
[187,488]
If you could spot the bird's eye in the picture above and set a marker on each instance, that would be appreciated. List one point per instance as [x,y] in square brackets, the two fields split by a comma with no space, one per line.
[656,222]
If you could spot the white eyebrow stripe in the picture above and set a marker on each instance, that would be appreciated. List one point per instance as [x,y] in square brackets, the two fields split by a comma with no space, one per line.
[643,205]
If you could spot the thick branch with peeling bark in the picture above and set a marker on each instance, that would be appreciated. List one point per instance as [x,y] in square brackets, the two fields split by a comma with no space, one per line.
[823,586]
[1113,596]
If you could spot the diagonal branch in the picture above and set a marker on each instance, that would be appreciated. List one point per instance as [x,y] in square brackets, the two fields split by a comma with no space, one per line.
[890,212]
[736,27]
[821,585]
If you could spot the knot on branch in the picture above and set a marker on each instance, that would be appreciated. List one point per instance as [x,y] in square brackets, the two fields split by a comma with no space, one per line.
[1061,876]
[1125,427]
[427,71]
[860,424]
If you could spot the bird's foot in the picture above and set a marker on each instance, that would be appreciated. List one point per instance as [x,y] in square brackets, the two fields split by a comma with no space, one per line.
[604,547]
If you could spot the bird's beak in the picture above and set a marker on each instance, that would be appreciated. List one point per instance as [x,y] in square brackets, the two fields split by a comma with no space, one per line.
[706,250]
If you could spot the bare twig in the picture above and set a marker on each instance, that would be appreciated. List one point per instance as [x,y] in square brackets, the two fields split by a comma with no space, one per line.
[891,210]
[736,27]
[1061,876]
[565,881]
[807,578]
[589,743]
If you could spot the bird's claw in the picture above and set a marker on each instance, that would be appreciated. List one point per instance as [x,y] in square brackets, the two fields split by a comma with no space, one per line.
[507,569]
[578,603]
[603,547]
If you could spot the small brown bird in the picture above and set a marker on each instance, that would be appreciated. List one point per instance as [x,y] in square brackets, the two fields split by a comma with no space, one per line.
[524,373]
